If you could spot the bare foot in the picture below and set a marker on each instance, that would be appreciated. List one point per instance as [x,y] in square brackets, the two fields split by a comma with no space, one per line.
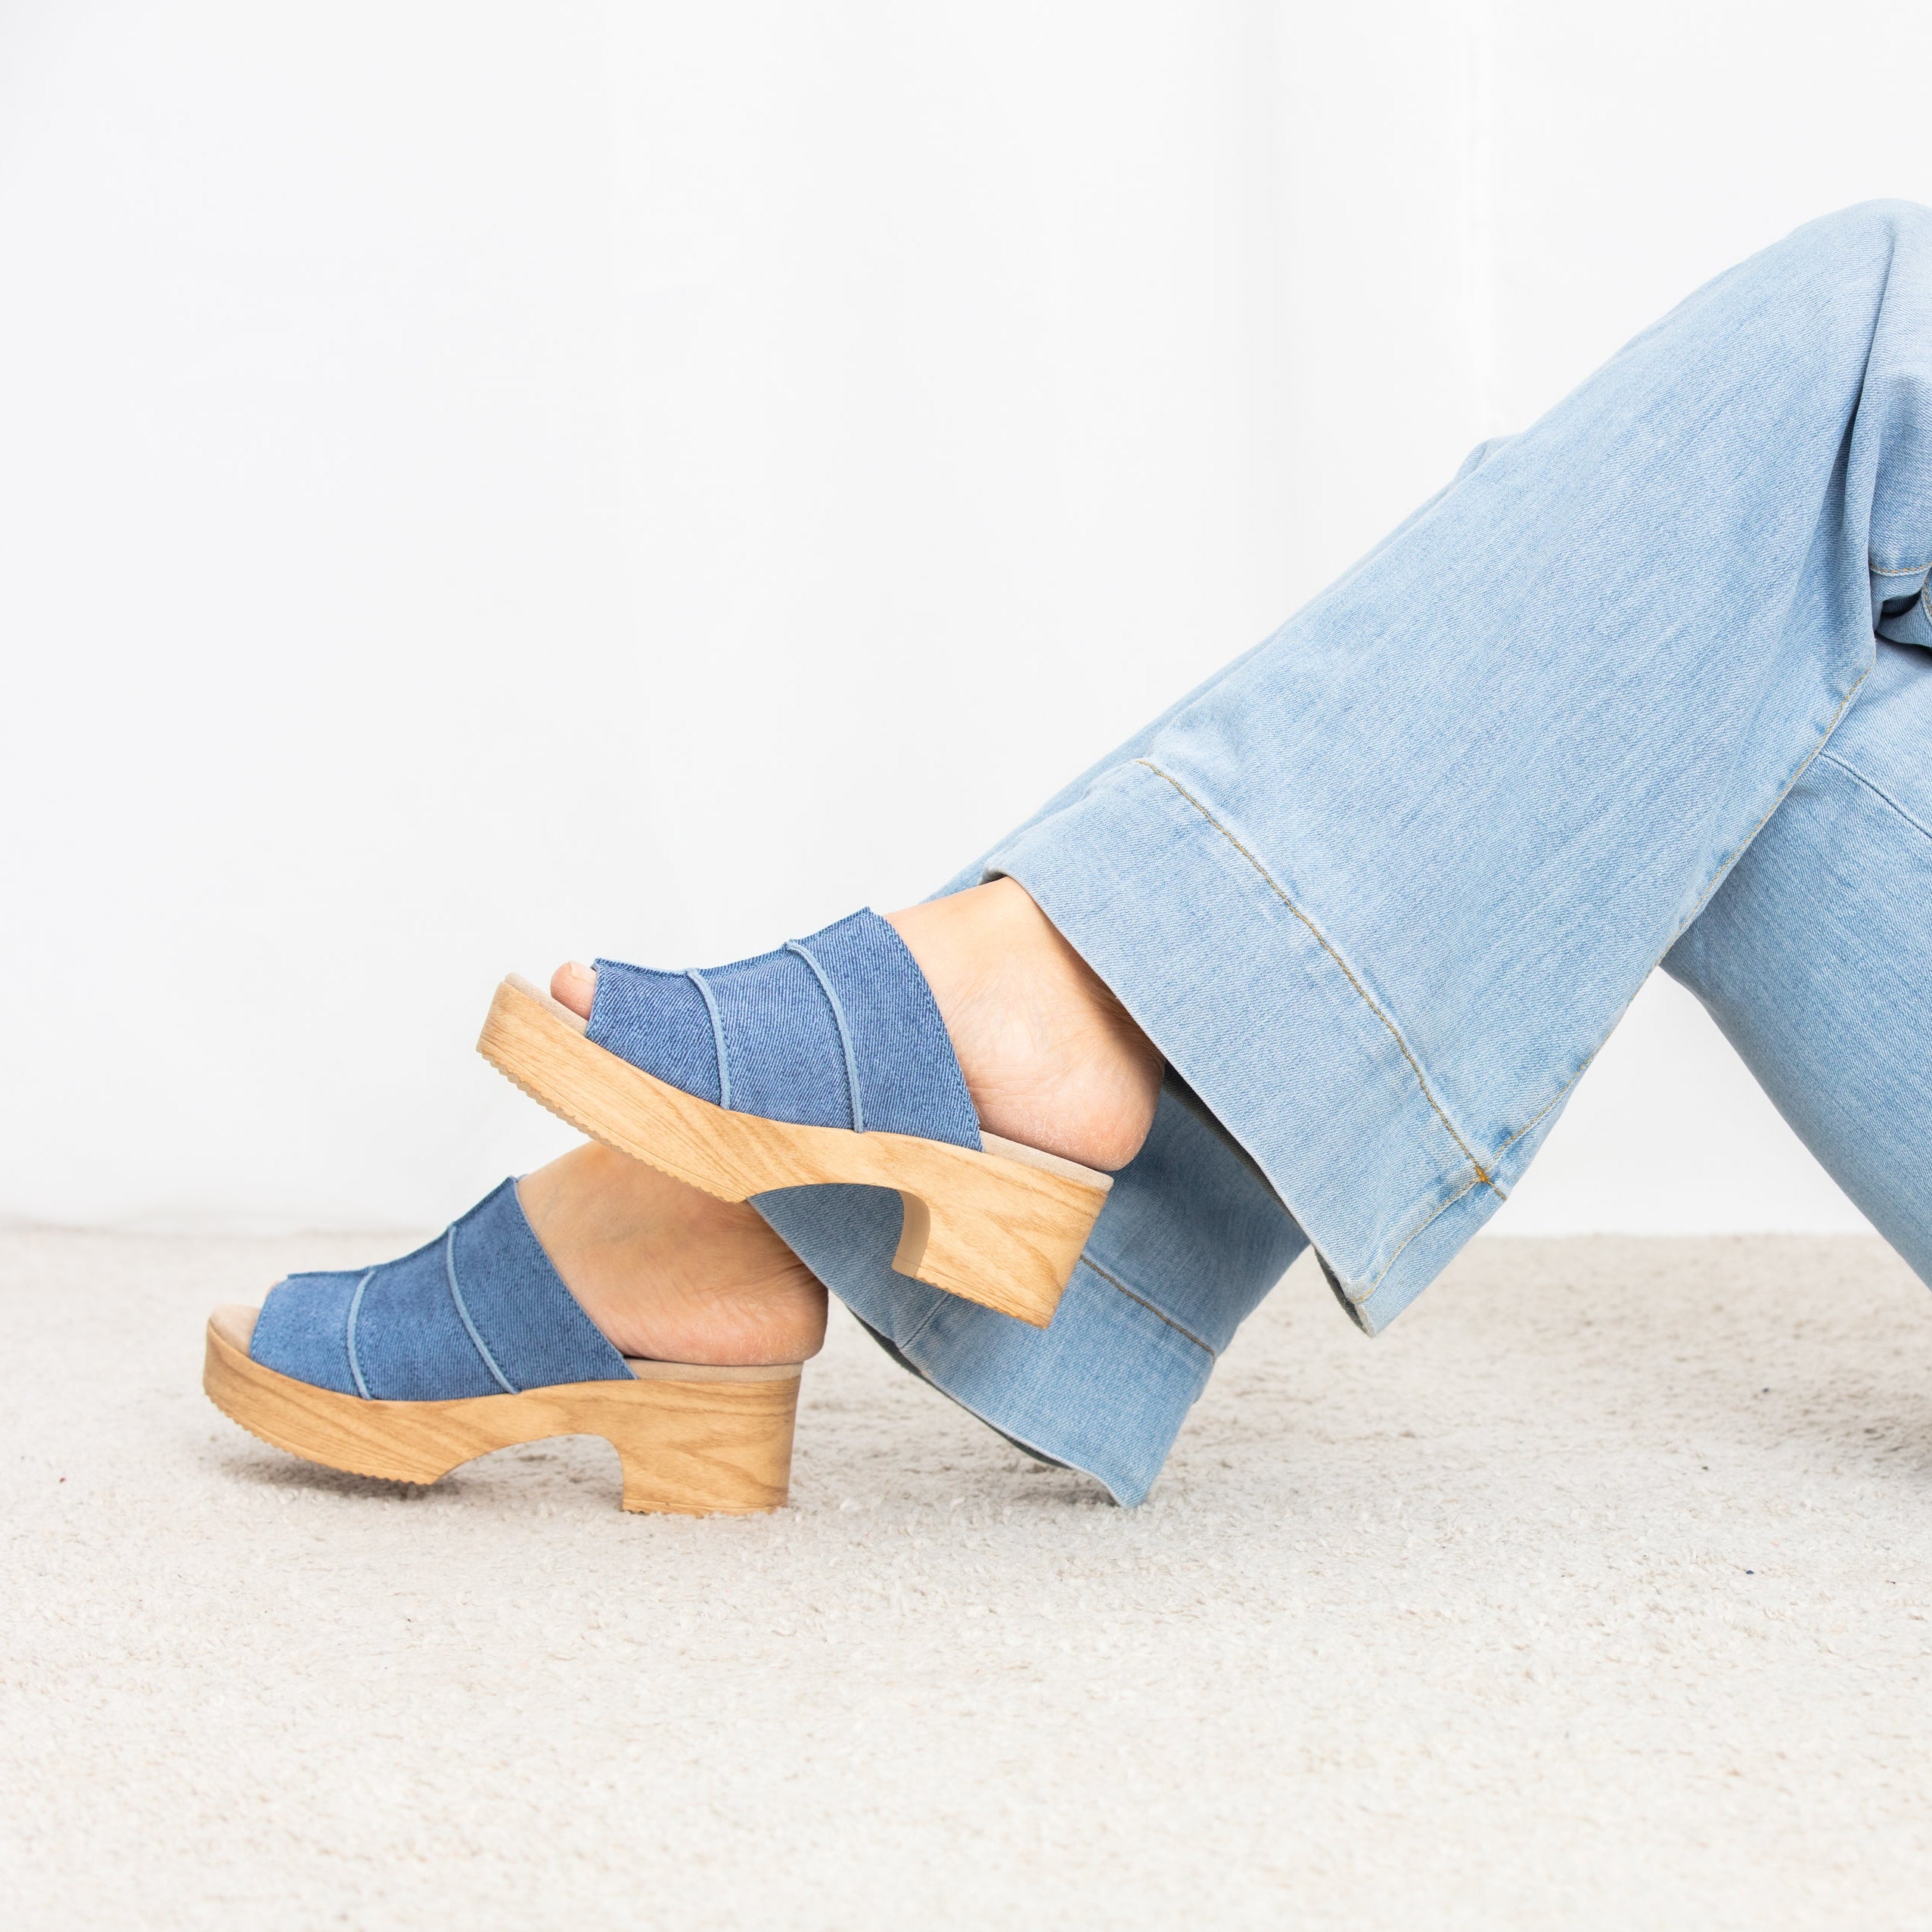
[667,1272]
[1051,1058]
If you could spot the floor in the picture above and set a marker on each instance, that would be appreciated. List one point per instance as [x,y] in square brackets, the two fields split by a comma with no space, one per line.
[1595,1594]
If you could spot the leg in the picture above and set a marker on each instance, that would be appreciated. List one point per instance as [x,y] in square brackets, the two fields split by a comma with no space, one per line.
[1816,956]
[1378,892]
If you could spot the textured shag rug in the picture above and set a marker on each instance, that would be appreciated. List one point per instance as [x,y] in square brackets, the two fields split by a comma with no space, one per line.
[1594,1594]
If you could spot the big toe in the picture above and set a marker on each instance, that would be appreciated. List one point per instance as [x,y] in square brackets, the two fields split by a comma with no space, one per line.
[574,986]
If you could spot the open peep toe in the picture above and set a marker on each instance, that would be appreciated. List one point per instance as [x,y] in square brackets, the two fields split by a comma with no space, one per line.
[474,1343]
[826,1061]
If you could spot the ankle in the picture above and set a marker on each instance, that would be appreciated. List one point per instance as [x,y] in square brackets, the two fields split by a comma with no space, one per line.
[1051,1057]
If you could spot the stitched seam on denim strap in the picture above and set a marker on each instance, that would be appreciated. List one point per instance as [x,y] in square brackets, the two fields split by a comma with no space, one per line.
[354,1309]
[845,1033]
[1361,992]
[1877,792]
[1160,1314]
[1911,570]
[463,1310]
[1717,879]
[717,1036]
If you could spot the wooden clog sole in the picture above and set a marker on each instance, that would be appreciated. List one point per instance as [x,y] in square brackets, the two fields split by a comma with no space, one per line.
[1003,1227]
[693,1440]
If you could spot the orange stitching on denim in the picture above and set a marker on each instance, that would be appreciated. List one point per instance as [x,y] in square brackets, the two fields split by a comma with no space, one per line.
[1717,880]
[1362,991]
[1114,1281]
[1911,571]
[1427,1221]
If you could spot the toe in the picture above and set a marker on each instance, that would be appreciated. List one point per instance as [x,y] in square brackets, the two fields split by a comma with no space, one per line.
[574,986]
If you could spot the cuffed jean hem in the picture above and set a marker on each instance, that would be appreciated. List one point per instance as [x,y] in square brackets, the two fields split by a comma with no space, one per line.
[1103,1390]
[1281,1034]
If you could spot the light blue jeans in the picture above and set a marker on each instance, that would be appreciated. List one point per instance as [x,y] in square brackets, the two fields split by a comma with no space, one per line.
[1646,684]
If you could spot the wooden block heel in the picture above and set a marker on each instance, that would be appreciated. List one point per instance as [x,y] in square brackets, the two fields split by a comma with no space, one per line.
[693,1441]
[1003,1227]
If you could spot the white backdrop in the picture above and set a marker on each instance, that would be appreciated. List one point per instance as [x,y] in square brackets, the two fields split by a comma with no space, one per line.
[481,483]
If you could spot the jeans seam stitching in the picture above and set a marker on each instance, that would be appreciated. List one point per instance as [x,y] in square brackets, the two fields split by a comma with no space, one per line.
[932,1316]
[1877,792]
[1717,879]
[1428,1220]
[1160,1314]
[1361,992]
[1910,571]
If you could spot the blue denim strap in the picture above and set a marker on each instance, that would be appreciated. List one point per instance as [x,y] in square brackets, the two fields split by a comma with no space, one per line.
[837,1030]
[479,1311]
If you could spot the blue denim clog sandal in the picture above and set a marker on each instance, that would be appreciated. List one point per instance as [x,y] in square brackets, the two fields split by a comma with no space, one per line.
[474,1343]
[824,1061]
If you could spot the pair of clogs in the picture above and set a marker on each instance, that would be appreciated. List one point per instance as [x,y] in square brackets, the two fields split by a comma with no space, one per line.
[824,1061]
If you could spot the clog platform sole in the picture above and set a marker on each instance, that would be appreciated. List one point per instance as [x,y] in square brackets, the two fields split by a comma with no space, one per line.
[1003,1227]
[693,1440]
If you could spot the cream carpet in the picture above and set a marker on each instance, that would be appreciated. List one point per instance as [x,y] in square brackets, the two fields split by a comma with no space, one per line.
[1595,1594]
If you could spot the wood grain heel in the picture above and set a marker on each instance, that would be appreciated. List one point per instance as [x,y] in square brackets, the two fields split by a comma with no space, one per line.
[706,1445]
[692,1440]
[1003,1227]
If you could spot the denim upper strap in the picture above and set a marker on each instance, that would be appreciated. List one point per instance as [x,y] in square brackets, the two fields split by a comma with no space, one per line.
[480,1311]
[837,1030]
